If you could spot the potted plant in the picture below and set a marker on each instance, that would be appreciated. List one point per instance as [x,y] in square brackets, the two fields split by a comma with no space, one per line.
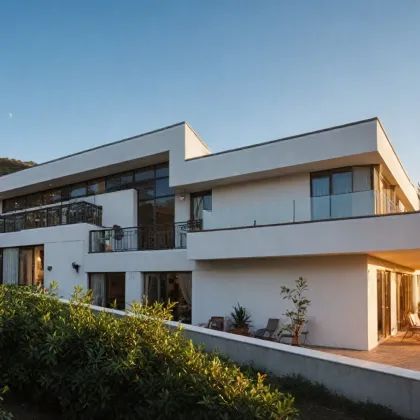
[240,320]
[297,315]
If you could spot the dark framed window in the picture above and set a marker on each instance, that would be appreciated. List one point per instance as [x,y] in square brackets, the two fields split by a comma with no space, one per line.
[34,200]
[151,182]
[96,187]
[144,174]
[201,201]
[78,190]
[342,192]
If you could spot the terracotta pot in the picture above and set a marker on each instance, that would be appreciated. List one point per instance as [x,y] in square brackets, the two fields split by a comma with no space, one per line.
[240,331]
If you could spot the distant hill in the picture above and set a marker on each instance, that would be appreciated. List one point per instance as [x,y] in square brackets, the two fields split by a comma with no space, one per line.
[8,166]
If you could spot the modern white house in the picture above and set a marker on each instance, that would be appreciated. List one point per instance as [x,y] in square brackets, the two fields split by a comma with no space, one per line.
[159,215]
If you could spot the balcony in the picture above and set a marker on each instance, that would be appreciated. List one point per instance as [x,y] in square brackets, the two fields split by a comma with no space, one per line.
[142,238]
[364,222]
[81,212]
[307,209]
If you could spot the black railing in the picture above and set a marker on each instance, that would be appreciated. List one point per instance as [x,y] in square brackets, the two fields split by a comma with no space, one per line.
[142,238]
[81,212]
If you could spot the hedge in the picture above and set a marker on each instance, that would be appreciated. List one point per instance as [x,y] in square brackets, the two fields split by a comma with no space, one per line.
[98,366]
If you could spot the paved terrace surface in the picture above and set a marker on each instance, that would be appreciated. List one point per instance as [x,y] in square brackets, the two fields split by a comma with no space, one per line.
[393,352]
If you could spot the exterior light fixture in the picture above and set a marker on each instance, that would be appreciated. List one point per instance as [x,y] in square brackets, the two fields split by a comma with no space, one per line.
[75,266]
[183,195]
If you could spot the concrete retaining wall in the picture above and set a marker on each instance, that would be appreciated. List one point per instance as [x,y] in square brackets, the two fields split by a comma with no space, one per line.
[358,380]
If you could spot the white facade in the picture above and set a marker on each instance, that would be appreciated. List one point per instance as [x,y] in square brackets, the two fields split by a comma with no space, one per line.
[259,233]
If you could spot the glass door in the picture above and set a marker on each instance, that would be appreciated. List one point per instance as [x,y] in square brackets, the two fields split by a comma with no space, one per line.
[384,304]
[26,266]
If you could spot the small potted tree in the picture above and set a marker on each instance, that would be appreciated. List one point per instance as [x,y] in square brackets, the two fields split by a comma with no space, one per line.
[241,320]
[297,315]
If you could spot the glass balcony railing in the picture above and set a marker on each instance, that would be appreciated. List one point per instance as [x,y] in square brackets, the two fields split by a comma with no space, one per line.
[329,207]
[81,212]
[142,238]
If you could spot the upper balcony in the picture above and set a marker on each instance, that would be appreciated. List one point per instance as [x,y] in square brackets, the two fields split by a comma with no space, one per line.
[363,223]
[80,212]
[142,238]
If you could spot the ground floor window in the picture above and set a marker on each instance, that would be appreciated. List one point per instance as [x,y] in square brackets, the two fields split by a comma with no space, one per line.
[24,266]
[176,287]
[108,289]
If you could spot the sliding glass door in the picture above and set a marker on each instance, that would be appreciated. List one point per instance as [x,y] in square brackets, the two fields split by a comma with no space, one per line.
[384,303]
[108,289]
[173,287]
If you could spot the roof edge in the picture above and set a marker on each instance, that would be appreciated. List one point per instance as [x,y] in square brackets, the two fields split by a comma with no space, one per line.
[99,147]
[336,127]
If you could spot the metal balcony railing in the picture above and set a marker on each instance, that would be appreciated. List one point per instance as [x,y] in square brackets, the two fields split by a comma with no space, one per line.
[81,212]
[142,238]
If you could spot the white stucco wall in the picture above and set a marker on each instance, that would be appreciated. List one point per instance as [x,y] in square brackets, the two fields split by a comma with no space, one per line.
[60,256]
[164,260]
[133,287]
[396,169]
[338,294]
[275,200]
[118,208]
[364,235]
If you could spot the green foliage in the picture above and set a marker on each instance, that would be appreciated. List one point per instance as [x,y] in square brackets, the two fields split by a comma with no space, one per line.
[241,318]
[8,166]
[97,366]
[297,315]
[4,415]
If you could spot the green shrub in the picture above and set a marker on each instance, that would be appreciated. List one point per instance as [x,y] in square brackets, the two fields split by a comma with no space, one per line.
[98,366]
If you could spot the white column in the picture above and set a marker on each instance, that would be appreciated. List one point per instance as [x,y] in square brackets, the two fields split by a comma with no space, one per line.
[133,287]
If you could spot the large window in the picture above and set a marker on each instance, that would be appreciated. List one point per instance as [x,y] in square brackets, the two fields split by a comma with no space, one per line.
[151,182]
[24,266]
[174,287]
[340,193]
[108,289]
[156,197]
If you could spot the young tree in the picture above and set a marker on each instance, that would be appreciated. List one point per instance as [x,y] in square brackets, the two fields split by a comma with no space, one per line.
[297,315]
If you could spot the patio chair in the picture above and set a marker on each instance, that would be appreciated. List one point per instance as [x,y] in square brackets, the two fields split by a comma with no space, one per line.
[216,323]
[412,327]
[267,332]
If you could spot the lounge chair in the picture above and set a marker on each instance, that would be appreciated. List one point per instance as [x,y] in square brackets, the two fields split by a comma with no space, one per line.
[412,326]
[216,323]
[267,332]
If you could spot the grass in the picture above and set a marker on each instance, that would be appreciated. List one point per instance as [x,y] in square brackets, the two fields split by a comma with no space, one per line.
[316,402]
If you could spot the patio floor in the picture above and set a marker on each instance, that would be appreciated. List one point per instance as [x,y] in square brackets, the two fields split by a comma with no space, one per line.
[393,352]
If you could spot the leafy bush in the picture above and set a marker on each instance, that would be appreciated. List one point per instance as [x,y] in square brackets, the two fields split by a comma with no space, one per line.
[4,415]
[98,366]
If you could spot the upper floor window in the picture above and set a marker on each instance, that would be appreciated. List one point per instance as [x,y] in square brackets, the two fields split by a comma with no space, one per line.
[200,202]
[152,181]
[341,193]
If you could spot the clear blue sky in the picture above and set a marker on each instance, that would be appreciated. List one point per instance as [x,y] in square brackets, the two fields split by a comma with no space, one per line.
[76,74]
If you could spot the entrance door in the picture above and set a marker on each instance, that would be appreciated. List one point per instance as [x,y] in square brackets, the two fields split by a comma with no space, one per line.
[384,303]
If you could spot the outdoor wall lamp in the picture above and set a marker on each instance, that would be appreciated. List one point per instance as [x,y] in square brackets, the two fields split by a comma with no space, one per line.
[49,268]
[75,266]
[183,195]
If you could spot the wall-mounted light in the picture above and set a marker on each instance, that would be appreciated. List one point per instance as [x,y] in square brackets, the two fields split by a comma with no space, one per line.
[183,195]
[75,266]
[49,268]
